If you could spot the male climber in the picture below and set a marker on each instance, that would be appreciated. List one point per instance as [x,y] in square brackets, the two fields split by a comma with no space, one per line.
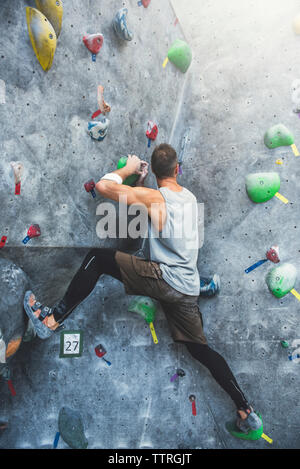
[170,275]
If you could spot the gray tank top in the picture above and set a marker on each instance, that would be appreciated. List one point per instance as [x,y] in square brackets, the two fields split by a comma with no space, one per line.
[175,248]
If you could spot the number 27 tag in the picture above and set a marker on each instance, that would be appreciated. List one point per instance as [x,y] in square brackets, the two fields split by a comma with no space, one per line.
[71,343]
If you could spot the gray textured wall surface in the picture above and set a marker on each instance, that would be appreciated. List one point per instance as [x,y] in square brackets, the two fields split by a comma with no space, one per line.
[239,84]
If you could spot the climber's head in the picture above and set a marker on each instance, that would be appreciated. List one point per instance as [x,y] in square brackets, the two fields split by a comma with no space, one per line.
[164,162]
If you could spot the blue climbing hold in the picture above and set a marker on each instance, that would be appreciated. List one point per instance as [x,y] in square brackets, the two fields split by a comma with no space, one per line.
[209,286]
[120,25]
[98,129]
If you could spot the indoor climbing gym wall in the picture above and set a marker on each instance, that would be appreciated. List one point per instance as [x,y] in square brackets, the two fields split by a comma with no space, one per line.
[82,85]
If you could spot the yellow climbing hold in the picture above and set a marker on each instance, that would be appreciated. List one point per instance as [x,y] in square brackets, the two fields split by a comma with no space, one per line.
[53,10]
[296,294]
[279,161]
[165,62]
[155,340]
[282,198]
[295,150]
[42,37]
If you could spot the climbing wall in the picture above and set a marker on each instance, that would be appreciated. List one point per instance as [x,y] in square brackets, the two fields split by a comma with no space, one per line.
[243,81]
[239,85]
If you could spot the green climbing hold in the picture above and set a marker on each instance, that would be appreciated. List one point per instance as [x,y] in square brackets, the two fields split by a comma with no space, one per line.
[180,55]
[281,280]
[284,344]
[262,186]
[251,435]
[144,306]
[131,179]
[71,429]
[278,136]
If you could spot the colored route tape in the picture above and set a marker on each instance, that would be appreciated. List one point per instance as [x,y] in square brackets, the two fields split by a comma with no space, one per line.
[165,62]
[153,332]
[296,294]
[96,114]
[265,437]
[282,198]
[56,439]
[18,189]
[174,377]
[295,150]
[3,241]
[257,264]
[106,361]
[194,408]
[11,387]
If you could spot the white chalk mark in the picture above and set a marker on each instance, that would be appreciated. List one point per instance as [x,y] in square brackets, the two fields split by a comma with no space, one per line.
[2,92]
[145,423]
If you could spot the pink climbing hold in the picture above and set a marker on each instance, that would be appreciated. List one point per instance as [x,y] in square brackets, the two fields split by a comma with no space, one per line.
[93,42]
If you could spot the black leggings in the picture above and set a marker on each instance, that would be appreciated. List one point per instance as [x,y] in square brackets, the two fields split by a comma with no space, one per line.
[102,261]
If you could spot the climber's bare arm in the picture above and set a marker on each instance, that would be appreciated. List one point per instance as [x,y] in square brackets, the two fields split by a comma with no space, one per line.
[150,198]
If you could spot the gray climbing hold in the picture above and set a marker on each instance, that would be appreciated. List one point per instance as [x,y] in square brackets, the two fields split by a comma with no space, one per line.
[14,282]
[71,428]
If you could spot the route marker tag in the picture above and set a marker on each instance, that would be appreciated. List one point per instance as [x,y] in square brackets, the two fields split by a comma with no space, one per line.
[71,344]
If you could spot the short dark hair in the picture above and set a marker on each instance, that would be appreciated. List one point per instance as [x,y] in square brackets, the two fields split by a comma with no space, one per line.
[164,161]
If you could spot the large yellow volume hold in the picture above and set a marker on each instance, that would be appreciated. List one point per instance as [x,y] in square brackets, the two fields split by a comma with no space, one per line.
[53,10]
[42,37]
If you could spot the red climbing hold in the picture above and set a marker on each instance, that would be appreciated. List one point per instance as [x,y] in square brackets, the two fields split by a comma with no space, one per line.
[273,254]
[3,241]
[146,3]
[90,186]
[152,130]
[93,42]
[100,351]
[34,231]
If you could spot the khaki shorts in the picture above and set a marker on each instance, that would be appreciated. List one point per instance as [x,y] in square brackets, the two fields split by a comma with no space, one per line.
[143,277]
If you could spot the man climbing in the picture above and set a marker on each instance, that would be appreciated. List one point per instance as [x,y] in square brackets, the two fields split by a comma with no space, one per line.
[170,275]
